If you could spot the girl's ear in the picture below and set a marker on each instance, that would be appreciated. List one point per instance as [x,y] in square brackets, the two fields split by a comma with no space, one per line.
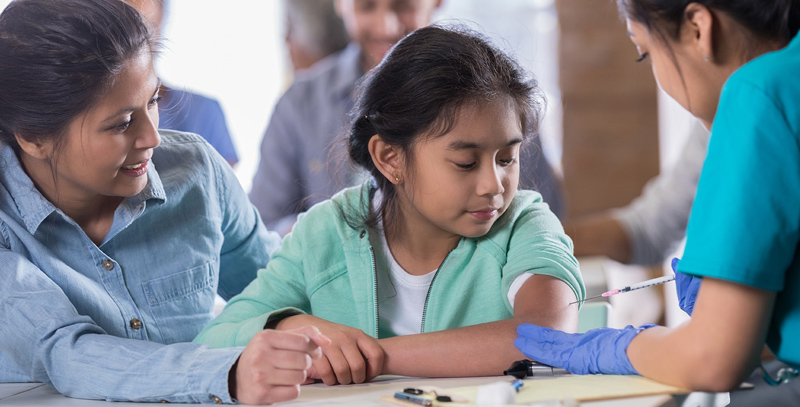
[35,149]
[700,26]
[387,158]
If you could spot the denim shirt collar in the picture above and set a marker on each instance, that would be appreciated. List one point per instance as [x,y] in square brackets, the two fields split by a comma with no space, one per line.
[34,208]
[350,70]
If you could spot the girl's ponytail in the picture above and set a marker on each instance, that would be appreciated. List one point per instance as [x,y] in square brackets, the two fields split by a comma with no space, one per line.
[361,132]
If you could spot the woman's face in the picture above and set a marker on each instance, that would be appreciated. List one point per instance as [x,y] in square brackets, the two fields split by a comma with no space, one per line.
[106,151]
[680,71]
[463,181]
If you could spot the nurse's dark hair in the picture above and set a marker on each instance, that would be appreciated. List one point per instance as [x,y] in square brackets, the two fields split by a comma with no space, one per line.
[57,58]
[418,90]
[766,20]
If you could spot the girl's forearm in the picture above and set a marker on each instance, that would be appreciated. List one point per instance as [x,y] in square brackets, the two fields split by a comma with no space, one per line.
[484,349]
[478,350]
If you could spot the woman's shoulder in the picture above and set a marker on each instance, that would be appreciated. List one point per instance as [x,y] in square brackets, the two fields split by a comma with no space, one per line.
[774,73]
[185,161]
[175,142]
[184,153]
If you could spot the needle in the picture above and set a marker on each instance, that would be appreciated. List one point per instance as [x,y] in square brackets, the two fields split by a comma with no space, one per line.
[632,287]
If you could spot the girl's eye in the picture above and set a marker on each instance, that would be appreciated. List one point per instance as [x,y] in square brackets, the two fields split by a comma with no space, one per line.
[643,57]
[466,166]
[508,161]
[154,101]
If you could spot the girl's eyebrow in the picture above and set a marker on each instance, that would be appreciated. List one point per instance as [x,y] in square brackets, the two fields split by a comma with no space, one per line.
[467,145]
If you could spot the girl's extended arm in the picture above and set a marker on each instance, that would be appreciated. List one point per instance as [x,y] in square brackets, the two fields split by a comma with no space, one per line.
[717,348]
[483,349]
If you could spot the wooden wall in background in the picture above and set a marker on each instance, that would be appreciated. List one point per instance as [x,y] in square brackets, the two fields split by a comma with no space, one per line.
[610,145]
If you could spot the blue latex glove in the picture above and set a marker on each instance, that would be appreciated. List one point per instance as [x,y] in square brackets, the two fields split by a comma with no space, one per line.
[601,350]
[687,288]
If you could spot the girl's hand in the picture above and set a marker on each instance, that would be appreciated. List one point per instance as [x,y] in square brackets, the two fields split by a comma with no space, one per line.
[274,365]
[351,357]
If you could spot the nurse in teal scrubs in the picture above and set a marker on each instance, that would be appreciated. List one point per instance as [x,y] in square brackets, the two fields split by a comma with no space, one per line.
[734,64]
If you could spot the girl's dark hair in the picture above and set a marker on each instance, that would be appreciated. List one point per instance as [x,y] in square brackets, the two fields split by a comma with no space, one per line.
[419,88]
[769,20]
[57,57]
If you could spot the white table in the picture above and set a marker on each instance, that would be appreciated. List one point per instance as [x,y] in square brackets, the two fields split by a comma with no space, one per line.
[363,395]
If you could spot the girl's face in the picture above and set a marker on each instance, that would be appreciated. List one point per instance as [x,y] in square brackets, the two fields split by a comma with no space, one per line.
[106,151]
[463,181]
[680,70]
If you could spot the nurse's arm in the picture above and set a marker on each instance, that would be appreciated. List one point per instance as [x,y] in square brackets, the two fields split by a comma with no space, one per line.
[717,348]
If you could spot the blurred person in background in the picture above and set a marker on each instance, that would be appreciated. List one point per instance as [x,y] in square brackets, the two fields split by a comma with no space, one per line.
[313,31]
[183,110]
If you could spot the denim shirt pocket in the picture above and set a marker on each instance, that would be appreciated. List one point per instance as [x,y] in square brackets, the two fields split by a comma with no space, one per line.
[182,303]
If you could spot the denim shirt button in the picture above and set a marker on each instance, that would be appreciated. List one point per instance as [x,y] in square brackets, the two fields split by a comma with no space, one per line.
[216,399]
[363,233]
[136,324]
[108,264]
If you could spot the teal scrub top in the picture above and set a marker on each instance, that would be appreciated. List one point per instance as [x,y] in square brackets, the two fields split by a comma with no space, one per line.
[745,222]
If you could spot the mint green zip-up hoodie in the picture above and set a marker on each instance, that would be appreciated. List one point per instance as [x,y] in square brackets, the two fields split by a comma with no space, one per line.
[326,268]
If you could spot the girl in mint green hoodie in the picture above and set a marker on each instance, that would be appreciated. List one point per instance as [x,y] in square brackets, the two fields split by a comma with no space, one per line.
[428,268]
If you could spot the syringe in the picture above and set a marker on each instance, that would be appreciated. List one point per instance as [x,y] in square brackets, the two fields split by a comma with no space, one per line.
[632,287]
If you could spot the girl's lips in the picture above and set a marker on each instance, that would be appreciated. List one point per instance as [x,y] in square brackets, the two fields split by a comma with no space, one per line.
[484,214]
[135,170]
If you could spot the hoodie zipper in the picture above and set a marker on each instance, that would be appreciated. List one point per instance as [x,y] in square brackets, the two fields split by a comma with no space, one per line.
[428,295]
[375,286]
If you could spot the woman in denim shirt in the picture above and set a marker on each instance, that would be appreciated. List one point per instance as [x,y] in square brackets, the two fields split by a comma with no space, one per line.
[115,237]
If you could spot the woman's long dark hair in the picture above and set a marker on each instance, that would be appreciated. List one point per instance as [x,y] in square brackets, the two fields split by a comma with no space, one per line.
[419,88]
[57,58]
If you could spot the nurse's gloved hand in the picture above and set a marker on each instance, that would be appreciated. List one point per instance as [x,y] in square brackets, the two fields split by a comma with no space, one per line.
[687,288]
[601,350]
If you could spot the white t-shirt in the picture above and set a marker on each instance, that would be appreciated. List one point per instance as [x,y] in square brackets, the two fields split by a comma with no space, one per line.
[401,296]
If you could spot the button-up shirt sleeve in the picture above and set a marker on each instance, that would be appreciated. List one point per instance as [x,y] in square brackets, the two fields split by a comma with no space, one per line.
[51,342]
[248,245]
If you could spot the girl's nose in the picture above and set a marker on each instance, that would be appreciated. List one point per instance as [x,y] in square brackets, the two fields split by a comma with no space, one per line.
[490,181]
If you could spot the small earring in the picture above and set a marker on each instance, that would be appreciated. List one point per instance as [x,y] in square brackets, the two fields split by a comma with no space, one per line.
[706,58]
[396,179]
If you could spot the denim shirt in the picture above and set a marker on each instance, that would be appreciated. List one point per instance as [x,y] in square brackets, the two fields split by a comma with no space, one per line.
[108,321]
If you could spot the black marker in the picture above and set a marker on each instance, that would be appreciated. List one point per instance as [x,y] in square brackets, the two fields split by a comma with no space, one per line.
[413,398]
[524,368]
